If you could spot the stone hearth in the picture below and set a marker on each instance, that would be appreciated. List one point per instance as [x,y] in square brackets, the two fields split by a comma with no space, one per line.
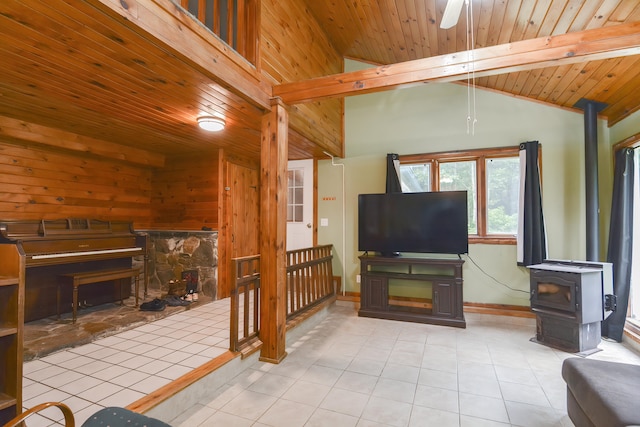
[48,335]
[172,252]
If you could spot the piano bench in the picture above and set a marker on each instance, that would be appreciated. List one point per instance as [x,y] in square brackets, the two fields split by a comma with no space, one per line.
[96,276]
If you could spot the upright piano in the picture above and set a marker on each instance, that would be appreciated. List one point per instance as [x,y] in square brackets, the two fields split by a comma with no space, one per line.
[51,249]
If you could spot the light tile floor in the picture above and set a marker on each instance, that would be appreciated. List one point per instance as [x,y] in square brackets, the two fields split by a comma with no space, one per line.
[353,371]
[122,368]
[347,371]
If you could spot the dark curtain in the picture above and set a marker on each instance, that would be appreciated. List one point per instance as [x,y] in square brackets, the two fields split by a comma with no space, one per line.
[393,174]
[532,242]
[620,241]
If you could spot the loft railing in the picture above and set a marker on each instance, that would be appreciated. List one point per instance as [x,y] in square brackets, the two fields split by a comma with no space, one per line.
[309,282]
[309,278]
[233,21]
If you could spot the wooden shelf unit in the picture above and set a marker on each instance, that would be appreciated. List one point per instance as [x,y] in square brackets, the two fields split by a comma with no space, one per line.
[11,331]
[444,276]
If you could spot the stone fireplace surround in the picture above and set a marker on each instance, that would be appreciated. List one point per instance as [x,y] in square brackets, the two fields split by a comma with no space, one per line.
[170,252]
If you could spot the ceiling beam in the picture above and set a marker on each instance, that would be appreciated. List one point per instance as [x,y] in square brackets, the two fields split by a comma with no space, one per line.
[590,45]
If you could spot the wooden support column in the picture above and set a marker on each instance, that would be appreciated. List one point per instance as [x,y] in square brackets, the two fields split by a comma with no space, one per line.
[273,226]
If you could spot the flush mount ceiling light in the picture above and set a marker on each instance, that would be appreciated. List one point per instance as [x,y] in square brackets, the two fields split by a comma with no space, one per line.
[211,123]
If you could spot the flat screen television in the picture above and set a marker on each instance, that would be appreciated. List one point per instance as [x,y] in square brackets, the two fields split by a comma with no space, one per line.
[431,222]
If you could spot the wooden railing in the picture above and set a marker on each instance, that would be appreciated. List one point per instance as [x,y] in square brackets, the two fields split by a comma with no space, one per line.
[309,282]
[309,278]
[245,312]
[234,21]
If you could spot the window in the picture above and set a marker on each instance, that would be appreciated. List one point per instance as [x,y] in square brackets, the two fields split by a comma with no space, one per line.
[633,313]
[457,176]
[416,178]
[295,201]
[635,271]
[503,194]
[491,178]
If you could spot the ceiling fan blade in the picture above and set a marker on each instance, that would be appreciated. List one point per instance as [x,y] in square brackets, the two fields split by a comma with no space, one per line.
[451,14]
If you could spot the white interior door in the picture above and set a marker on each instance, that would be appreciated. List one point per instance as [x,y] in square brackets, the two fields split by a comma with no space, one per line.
[300,204]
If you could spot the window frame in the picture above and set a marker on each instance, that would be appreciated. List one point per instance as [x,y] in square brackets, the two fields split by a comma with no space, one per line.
[480,156]
[631,325]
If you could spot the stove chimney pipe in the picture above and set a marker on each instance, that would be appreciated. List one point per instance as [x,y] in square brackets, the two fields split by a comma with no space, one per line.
[591,110]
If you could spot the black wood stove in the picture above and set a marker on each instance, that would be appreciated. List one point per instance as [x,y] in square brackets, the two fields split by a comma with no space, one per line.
[570,299]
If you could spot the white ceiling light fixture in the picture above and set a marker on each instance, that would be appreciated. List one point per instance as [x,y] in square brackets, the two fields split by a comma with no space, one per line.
[451,14]
[211,123]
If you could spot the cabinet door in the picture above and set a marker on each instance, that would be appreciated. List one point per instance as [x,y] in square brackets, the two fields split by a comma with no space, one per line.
[444,297]
[375,293]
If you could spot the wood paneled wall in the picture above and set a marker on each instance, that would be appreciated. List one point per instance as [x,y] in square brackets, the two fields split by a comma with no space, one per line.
[40,179]
[294,47]
[39,182]
[185,193]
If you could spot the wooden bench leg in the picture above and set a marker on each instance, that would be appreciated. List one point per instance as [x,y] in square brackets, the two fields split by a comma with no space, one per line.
[137,280]
[121,281]
[79,279]
[75,302]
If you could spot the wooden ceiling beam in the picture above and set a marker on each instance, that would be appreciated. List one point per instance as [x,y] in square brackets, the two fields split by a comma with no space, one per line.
[589,45]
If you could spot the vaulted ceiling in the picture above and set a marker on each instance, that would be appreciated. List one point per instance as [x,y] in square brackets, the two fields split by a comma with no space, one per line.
[393,31]
[83,73]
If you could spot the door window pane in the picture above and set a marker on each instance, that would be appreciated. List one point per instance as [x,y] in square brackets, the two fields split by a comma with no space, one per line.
[503,190]
[458,176]
[415,178]
[295,182]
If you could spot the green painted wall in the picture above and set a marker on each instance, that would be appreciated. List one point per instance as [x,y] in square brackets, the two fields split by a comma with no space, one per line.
[626,128]
[433,118]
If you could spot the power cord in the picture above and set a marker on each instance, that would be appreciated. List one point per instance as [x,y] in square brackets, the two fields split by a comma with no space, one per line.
[493,278]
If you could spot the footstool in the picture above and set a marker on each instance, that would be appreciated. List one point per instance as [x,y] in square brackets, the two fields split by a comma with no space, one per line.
[601,393]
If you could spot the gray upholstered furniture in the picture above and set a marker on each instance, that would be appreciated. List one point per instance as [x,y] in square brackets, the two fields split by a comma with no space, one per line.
[107,417]
[121,417]
[602,394]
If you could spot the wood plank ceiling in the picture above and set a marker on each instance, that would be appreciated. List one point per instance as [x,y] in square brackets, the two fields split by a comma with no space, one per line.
[391,31]
[72,68]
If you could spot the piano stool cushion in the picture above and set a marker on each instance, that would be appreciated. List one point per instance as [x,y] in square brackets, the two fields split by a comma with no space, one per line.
[121,417]
[601,393]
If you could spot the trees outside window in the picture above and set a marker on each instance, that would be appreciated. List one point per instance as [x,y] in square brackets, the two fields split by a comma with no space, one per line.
[503,192]
[491,178]
[461,176]
[415,178]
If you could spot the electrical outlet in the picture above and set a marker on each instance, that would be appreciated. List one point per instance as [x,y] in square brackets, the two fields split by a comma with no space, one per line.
[357,278]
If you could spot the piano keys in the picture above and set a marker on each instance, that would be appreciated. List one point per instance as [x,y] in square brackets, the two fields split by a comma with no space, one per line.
[50,249]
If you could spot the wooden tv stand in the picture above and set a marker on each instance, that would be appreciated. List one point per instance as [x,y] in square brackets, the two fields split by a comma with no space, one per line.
[445,276]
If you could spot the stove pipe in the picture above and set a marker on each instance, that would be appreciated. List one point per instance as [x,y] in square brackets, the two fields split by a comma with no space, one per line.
[591,110]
